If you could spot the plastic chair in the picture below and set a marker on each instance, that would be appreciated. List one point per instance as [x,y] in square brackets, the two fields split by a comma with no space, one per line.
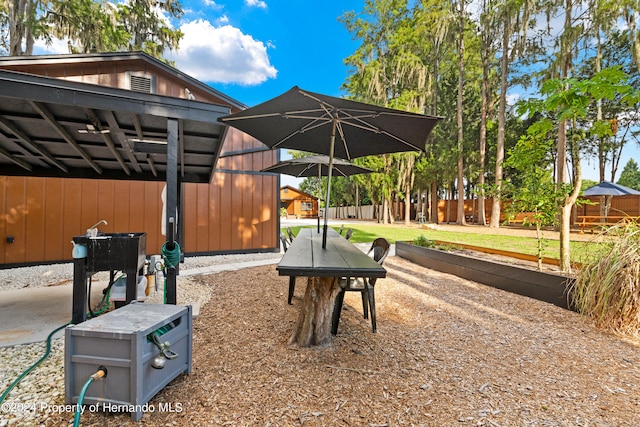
[348,234]
[292,279]
[285,242]
[380,248]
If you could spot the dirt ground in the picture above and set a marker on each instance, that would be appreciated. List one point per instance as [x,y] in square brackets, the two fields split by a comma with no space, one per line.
[448,352]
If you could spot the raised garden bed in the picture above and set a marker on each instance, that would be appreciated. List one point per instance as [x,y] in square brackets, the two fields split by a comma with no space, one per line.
[541,285]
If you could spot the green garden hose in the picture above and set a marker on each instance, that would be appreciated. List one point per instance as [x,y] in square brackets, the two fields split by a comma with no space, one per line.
[100,373]
[101,309]
[171,256]
[171,260]
[32,367]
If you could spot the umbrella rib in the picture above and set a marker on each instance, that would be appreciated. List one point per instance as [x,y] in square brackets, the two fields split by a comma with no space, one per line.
[343,139]
[255,116]
[403,141]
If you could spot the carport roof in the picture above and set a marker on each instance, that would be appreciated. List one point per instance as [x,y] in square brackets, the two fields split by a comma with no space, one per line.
[58,128]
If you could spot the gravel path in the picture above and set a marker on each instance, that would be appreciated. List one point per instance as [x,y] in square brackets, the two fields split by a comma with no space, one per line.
[59,274]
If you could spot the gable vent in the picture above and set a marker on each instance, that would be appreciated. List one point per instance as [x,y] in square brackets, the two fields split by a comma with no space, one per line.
[141,83]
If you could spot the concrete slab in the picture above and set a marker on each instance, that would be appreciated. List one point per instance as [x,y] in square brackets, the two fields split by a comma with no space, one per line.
[29,315]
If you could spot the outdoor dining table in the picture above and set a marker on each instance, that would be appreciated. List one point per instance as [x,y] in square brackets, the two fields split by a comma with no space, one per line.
[323,267]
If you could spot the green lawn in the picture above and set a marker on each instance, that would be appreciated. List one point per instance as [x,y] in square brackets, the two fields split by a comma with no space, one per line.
[368,232]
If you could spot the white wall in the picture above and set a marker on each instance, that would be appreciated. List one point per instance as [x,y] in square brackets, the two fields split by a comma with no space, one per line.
[366,212]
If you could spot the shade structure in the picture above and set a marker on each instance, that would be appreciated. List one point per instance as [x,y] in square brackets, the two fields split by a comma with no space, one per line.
[606,188]
[308,121]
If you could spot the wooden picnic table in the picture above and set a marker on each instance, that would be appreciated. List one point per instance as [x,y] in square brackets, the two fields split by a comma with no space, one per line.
[323,267]
[590,221]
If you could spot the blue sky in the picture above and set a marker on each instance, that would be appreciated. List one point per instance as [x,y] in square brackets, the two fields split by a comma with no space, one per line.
[254,50]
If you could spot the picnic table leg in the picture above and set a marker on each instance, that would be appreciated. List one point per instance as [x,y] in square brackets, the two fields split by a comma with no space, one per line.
[292,288]
[315,320]
[337,310]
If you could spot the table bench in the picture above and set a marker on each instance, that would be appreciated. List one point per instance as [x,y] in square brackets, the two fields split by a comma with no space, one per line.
[592,221]
[522,217]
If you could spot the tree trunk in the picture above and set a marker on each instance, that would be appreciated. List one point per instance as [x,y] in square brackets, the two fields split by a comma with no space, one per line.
[502,112]
[484,112]
[314,322]
[434,202]
[565,211]
[407,203]
[460,211]
[448,210]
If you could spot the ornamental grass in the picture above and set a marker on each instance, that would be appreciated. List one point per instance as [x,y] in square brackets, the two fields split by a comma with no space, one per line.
[607,289]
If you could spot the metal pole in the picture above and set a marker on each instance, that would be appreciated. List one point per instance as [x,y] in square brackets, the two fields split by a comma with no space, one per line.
[326,207]
[319,192]
[172,204]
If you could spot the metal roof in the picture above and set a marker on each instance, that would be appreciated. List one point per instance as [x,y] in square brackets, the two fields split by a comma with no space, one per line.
[16,63]
[58,128]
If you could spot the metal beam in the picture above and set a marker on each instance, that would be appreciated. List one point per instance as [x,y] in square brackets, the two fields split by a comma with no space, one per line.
[152,165]
[107,139]
[24,138]
[181,145]
[117,131]
[76,94]
[12,159]
[48,116]
[137,126]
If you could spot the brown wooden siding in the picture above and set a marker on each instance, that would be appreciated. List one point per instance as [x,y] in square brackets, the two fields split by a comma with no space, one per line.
[114,74]
[234,213]
[292,199]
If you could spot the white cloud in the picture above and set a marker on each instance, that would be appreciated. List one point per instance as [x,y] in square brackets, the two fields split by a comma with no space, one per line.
[57,46]
[256,3]
[211,3]
[222,55]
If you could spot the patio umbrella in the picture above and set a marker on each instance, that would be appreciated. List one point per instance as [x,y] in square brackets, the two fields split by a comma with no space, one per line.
[311,166]
[606,188]
[322,124]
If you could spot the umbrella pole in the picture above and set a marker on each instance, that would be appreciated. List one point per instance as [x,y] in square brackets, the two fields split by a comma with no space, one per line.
[319,192]
[326,207]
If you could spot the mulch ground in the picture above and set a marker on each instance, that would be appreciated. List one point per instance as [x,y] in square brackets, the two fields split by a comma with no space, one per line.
[448,352]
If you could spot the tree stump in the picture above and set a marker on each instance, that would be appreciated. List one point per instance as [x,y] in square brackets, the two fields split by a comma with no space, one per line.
[314,322]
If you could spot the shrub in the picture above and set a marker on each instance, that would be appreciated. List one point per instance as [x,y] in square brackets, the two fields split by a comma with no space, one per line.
[424,242]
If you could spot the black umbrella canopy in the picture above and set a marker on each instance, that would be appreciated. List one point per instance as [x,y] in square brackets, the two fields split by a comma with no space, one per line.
[304,120]
[322,124]
[312,166]
[606,188]
[316,166]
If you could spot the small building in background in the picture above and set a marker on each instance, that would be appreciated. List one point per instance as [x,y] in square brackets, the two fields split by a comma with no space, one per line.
[298,204]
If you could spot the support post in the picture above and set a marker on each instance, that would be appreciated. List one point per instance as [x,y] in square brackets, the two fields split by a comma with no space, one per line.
[79,305]
[172,205]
